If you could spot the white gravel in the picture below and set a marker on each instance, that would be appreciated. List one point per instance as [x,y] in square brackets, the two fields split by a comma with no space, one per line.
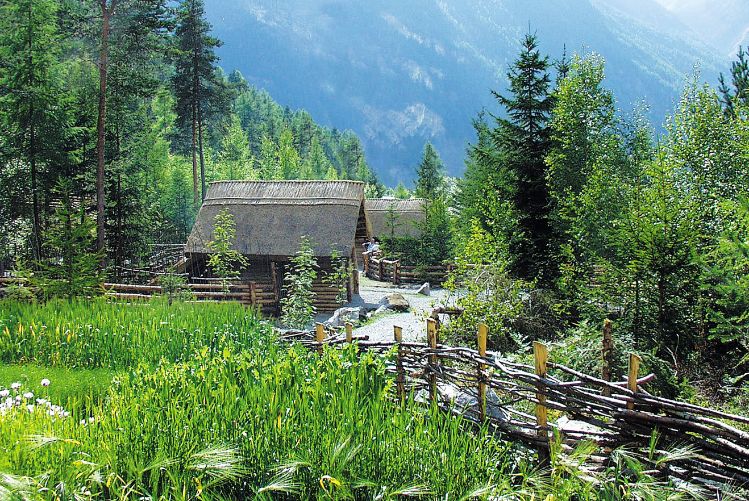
[413,323]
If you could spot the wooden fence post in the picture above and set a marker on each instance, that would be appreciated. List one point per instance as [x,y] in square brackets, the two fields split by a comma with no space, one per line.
[606,352]
[381,278]
[483,334]
[319,336]
[432,338]
[541,357]
[253,293]
[401,374]
[349,332]
[634,368]
[397,272]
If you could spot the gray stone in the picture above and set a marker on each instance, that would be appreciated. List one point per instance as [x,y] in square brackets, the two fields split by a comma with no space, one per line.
[343,315]
[465,401]
[424,289]
[395,302]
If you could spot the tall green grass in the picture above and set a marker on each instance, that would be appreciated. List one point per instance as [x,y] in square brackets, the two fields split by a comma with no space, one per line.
[96,333]
[213,407]
[264,420]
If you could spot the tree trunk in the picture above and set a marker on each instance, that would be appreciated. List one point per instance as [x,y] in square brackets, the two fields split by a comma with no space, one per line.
[194,149]
[36,230]
[106,13]
[200,149]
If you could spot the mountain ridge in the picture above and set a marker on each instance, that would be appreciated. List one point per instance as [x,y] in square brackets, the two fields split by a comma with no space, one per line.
[401,74]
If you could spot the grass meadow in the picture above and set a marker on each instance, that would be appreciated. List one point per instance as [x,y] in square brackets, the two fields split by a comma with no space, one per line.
[199,401]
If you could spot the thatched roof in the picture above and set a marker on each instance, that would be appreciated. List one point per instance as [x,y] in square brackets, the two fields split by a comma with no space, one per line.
[409,215]
[271,217]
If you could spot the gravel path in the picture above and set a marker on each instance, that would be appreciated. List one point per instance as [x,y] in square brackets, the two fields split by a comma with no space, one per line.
[380,327]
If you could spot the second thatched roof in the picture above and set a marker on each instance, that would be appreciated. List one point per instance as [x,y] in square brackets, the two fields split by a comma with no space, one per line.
[409,216]
[271,217]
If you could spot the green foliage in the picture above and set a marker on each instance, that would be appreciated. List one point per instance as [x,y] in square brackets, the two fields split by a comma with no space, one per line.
[71,267]
[224,260]
[286,425]
[523,143]
[487,294]
[94,333]
[297,305]
[429,175]
[339,276]
[175,288]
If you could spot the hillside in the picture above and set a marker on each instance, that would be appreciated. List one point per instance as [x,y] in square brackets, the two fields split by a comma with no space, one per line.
[724,24]
[400,74]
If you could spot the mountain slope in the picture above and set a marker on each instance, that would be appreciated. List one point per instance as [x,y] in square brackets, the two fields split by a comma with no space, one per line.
[402,73]
[721,23]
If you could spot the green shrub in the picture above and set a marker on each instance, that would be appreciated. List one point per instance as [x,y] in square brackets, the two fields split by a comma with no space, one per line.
[297,306]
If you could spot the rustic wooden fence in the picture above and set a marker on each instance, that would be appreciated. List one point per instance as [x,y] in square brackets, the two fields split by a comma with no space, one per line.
[391,270]
[247,293]
[526,403]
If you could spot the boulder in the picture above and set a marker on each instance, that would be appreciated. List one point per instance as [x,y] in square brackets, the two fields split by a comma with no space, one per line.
[465,402]
[424,289]
[395,302]
[343,315]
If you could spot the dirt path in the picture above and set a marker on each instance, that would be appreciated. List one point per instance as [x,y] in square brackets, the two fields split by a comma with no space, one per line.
[380,327]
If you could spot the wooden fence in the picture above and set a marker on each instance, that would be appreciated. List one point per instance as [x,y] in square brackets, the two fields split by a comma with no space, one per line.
[526,403]
[391,270]
[248,293]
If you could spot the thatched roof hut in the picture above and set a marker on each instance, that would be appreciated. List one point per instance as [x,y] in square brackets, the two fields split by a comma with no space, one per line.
[409,216]
[271,217]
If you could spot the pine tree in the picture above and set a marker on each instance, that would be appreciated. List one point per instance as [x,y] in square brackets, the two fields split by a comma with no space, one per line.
[739,88]
[524,137]
[429,174]
[71,268]
[32,105]
[195,81]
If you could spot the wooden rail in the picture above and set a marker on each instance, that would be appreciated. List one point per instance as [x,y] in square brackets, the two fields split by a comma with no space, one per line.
[247,293]
[391,270]
[504,395]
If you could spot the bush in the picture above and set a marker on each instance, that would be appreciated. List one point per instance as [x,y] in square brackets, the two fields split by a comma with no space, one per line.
[297,307]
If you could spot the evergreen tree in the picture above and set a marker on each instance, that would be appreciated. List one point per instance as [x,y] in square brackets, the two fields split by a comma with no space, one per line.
[524,138]
[71,266]
[429,174]
[738,90]
[195,81]
[288,157]
[32,107]
[235,159]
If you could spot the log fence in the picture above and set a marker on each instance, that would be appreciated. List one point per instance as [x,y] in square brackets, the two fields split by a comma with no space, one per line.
[527,403]
[246,293]
[391,270]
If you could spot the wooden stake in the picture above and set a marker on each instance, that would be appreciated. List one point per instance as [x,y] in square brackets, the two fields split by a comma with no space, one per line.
[382,270]
[349,332]
[319,335]
[634,368]
[606,353]
[253,294]
[541,357]
[482,336]
[432,338]
[401,374]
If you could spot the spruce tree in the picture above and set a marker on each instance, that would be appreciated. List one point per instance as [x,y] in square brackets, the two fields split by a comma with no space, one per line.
[738,90]
[429,180]
[195,81]
[32,105]
[524,138]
